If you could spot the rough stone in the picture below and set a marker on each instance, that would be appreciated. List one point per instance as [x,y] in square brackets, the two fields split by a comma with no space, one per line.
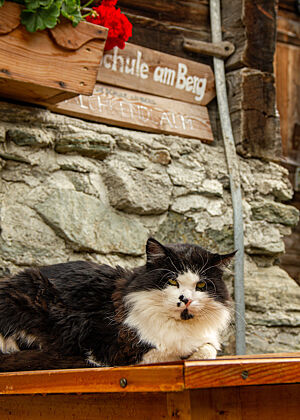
[86,143]
[2,134]
[189,203]
[161,156]
[75,163]
[25,239]
[184,177]
[33,137]
[88,224]
[134,191]
[262,238]
[274,212]
[272,297]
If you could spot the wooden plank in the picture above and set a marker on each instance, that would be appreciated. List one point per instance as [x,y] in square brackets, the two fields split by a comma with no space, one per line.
[241,372]
[139,379]
[126,108]
[193,13]
[288,30]
[179,405]
[150,71]
[47,71]
[56,69]
[86,407]
[274,402]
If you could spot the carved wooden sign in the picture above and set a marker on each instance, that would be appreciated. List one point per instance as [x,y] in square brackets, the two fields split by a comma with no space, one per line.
[153,72]
[126,108]
[148,90]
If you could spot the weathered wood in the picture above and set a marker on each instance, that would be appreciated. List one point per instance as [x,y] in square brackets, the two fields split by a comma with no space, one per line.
[157,392]
[73,38]
[287,64]
[130,109]
[87,407]
[9,17]
[56,70]
[288,28]
[139,379]
[151,71]
[193,12]
[251,26]
[251,96]
[220,50]
[161,25]
[241,372]
[247,403]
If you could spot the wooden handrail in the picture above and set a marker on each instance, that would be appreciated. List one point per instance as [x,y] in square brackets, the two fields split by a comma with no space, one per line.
[171,377]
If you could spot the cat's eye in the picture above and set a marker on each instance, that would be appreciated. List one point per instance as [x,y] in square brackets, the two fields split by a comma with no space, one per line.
[201,285]
[173,282]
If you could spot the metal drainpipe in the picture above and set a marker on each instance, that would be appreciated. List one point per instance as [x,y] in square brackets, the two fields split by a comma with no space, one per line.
[234,177]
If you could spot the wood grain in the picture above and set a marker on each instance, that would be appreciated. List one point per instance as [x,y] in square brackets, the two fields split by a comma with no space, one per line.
[150,71]
[66,36]
[251,26]
[130,109]
[86,407]
[9,17]
[56,70]
[139,379]
[241,372]
[254,117]
[269,402]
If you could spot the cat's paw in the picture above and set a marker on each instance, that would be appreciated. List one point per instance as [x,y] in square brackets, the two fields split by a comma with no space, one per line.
[156,356]
[207,351]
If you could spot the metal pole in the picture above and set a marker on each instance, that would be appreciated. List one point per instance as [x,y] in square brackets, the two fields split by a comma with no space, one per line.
[233,170]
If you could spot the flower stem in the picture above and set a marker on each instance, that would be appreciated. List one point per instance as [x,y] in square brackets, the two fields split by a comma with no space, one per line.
[87,4]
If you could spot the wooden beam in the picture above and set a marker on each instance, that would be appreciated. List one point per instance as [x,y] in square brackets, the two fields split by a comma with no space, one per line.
[167,378]
[251,27]
[241,372]
[254,117]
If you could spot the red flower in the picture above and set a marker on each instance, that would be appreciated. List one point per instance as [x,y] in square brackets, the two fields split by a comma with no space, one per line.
[120,29]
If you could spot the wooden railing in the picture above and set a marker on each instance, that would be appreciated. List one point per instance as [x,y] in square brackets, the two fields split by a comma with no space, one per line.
[249,387]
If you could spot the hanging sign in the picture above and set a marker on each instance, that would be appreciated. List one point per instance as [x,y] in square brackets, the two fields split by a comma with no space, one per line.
[148,90]
[127,108]
[153,72]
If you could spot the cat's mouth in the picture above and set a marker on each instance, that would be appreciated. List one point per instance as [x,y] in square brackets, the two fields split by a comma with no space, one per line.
[185,315]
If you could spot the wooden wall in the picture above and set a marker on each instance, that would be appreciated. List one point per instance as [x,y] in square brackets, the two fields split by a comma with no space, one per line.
[287,70]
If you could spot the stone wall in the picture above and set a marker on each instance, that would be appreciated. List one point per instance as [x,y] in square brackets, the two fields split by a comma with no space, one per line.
[77,190]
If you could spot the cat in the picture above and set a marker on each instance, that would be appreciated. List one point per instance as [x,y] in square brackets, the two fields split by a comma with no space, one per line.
[82,314]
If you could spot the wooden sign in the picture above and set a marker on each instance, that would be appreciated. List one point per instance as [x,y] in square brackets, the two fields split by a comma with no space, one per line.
[127,108]
[153,72]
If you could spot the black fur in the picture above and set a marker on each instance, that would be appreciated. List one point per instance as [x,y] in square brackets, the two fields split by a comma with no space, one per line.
[77,307]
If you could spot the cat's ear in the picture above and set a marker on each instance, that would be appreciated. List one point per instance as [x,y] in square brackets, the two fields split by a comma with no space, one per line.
[155,251]
[225,259]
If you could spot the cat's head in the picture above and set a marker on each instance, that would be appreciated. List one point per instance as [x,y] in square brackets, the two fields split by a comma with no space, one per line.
[182,281]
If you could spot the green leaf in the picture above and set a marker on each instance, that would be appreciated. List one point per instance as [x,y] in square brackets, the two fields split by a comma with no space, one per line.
[1,2]
[36,4]
[41,18]
[70,9]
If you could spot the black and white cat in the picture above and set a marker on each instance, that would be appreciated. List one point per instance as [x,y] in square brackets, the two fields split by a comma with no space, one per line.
[81,314]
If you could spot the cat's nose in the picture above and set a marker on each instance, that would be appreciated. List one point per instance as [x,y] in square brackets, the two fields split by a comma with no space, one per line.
[185,300]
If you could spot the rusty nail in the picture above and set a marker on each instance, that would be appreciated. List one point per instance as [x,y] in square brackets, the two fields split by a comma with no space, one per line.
[123,382]
[245,374]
